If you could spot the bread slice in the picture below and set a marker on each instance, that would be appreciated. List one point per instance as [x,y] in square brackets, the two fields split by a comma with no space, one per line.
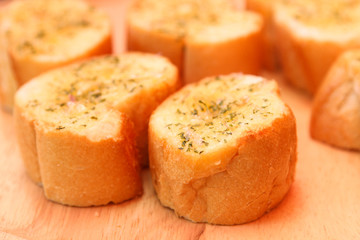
[266,9]
[311,35]
[78,126]
[198,38]
[336,107]
[223,150]
[38,35]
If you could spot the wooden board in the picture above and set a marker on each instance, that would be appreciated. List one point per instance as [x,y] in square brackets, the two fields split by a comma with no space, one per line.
[323,203]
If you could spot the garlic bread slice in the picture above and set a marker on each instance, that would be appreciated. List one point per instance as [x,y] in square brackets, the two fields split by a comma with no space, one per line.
[79,126]
[38,35]
[223,150]
[202,38]
[336,108]
[311,35]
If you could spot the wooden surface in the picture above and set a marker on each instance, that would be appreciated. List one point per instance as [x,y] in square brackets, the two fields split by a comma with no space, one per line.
[323,203]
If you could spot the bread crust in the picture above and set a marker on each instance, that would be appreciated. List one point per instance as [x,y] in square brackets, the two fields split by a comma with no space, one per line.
[26,137]
[140,108]
[335,115]
[79,172]
[237,183]
[308,45]
[19,68]
[140,39]
[8,83]
[304,61]
[266,8]
[82,129]
[235,50]
[75,170]
[243,53]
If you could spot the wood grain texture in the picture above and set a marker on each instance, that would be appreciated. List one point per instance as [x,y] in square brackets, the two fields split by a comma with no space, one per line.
[323,202]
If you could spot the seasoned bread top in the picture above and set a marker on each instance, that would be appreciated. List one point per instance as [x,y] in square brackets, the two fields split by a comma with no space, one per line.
[203,119]
[321,19]
[86,97]
[53,30]
[203,21]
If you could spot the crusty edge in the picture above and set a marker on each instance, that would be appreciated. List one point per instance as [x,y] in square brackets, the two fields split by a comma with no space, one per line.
[305,61]
[241,54]
[153,42]
[26,137]
[329,131]
[153,99]
[291,58]
[265,8]
[225,197]
[80,172]
[8,82]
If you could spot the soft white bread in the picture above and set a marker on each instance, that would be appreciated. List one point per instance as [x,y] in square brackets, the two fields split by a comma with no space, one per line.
[38,35]
[336,107]
[223,150]
[78,126]
[265,8]
[197,37]
[312,34]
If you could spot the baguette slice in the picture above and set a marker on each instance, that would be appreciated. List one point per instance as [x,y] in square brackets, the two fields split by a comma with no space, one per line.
[38,35]
[223,150]
[336,107]
[312,34]
[265,8]
[198,38]
[78,126]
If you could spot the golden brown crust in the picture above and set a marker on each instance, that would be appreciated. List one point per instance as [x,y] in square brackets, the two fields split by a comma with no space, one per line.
[265,8]
[33,43]
[229,41]
[336,108]
[8,83]
[242,54]
[304,61]
[311,35]
[79,172]
[81,128]
[27,141]
[140,39]
[237,182]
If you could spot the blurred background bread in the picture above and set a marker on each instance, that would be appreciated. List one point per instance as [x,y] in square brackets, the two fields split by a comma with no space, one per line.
[82,129]
[311,35]
[336,108]
[266,9]
[223,150]
[38,35]
[202,38]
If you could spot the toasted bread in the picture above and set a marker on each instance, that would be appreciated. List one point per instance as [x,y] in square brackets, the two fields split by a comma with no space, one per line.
[198,38]
[223,150]
[38,35]
[311,35]
[336,107]
[78,126]
[265,8]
